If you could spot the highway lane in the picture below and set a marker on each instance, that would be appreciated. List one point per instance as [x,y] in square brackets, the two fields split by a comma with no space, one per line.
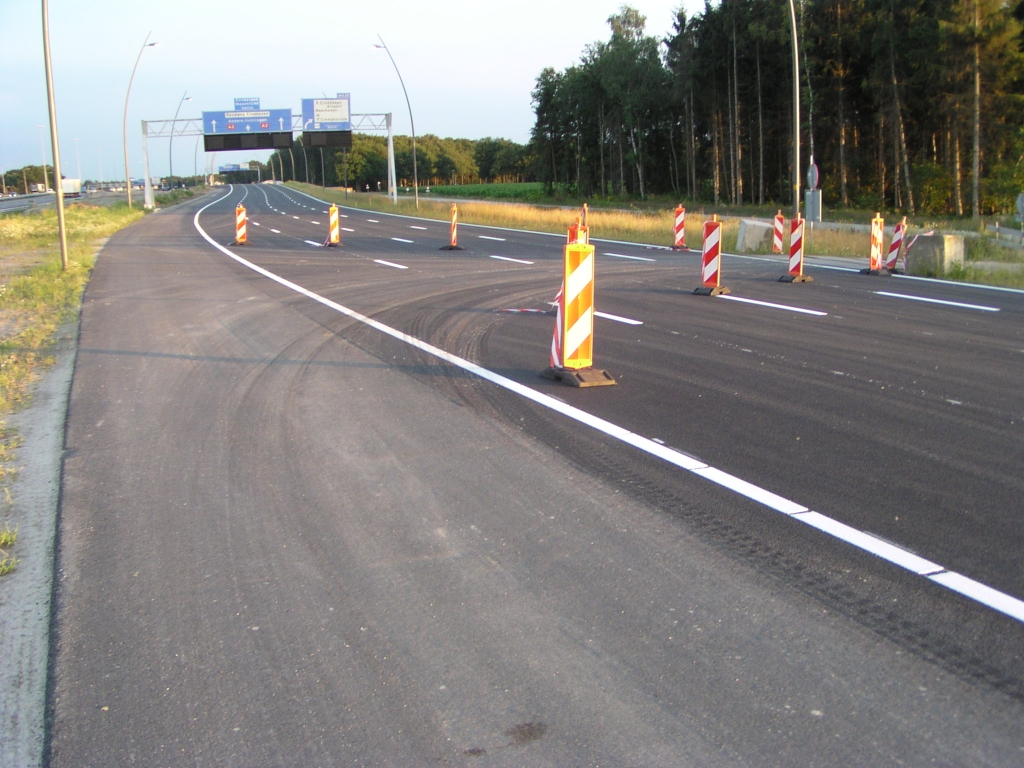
[287,540]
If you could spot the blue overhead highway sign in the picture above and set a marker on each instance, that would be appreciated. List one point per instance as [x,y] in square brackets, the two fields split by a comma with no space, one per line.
[248,121]
[327,114]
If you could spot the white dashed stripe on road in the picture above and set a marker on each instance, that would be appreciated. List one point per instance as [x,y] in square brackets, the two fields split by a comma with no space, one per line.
[390,264]
[624,256]
[774,306]
[980,307]
[981,593]
[509,258]
[401,240]
[618,319]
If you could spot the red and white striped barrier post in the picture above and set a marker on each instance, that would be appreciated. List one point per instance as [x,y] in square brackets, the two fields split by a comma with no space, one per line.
[241,236]
[780,230]
[680,229]
[572,346]
[896,245]
[877,239]
[711,262]
[453,245]
[796,254]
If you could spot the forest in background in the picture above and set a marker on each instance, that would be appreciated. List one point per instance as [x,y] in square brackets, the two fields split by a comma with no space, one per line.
[908,105]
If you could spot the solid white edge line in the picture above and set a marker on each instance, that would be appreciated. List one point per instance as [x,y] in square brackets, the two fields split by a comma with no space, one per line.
[774,306]
[937,301]
[390,264]
[618,319]
[751,491]
[509,258]
[635,258]
[985,595]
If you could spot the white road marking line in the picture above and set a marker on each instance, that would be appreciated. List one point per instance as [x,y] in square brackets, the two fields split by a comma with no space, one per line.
[313,243]
[624,256]
[390,264]
[315,222]
[346,229]
[401,240]
[256,223]
[295,217]
[343,215]
[487,237]
[283,213]
[774,306]
[276,231]
[938,301]
[413,226]
[960,285]
[998,601]
[618,319]
[509,258]
[375,221]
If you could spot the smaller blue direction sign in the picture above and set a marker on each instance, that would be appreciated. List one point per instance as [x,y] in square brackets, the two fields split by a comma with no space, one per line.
[244,105]
[327,114]
[248,121]
[230,168]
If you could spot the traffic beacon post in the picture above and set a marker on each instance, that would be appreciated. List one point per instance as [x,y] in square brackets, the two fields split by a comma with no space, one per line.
[241,237]
[572,345]
[334,236]
[711,261]
[796,254]
[453,244]
[875,255]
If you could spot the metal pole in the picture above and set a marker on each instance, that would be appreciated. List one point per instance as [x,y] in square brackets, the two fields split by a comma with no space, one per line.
[99,154]
[323,171]
[42,150]
[124,126]
[291,156]
[412,125]
[59,188]
[392,178]
[796,114]
[147,200]
[78,161]
[170,142]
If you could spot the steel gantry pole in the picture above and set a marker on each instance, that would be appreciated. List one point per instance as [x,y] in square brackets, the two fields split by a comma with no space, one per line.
[124,129]
[412,125]
[796,114]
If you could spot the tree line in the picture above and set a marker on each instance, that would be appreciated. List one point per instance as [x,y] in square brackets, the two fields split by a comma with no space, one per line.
[915,105]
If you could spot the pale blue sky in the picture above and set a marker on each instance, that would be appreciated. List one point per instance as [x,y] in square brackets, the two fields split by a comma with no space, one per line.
[469,66]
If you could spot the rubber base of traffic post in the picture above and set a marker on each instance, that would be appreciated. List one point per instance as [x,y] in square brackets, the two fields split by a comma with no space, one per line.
[873,272]
[796,279]
[705,291]
[892,272]
[579,377]
[680,248]
[451,248]
[328,244]
[232,245]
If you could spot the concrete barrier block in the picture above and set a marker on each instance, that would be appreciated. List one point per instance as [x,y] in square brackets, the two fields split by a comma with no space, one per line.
[935,254]
[754,236]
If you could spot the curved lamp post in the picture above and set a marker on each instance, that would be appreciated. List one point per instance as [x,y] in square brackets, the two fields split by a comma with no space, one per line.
[796,114]
[415,173]
[127,173]
[170,142]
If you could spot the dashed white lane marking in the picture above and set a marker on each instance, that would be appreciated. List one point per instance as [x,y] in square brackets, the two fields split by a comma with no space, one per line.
[295,217]
[275,231]
[938,301]
[390,264]
[401,240]
[509,258]
[960,285]
[774,306]
[374,221]
[634,258]
[256,223]
[315,222]
[487,237]
[346,229]
[974,590]
[314,243]
[413,226]
[618,319]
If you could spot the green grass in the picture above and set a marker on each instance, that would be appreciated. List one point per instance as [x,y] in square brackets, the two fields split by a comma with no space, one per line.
[167,199]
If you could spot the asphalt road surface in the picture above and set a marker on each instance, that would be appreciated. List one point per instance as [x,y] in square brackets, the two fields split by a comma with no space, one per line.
[319,509]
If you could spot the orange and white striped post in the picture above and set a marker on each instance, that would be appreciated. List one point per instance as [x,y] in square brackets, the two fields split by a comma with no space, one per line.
[780,230]
[896,245]
[680,229]
[796,254]
[572,347]
[877,238]
[241,236]
[453,244]
[711,261]
[334,238]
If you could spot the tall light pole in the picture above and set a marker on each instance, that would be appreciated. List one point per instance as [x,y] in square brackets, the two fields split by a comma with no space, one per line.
[796,114]
[415,172]
[62,230]
[42,149]
[170,142]
[124,130]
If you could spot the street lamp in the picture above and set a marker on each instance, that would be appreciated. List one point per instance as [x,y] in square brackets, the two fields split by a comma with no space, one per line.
[796,115]
[415,173]
[170,143]
[127,173]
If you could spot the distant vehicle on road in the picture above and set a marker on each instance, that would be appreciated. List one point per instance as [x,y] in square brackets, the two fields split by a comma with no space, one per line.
[71,187]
